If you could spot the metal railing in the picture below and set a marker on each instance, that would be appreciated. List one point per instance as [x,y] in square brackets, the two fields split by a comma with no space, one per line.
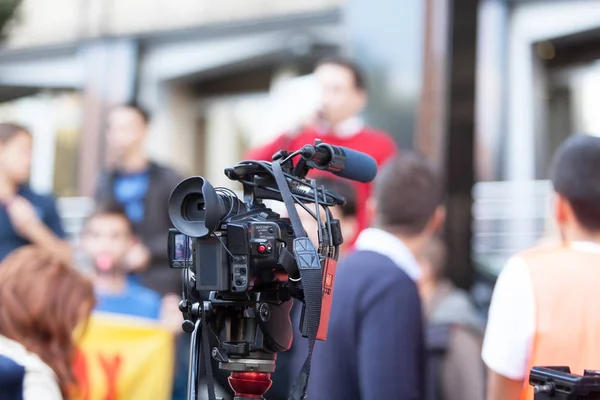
[507,217]
[73,212]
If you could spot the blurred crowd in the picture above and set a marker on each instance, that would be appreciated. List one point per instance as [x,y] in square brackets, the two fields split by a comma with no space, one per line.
[398,329]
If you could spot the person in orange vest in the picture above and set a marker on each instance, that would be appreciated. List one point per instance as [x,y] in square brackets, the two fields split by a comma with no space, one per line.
[544,306]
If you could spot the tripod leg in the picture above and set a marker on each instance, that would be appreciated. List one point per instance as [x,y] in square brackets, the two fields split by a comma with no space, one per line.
[192,392]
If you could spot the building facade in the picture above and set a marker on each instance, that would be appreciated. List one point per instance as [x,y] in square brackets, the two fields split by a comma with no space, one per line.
[209,72]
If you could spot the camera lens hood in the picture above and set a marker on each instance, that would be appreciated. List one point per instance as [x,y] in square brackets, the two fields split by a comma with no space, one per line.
[195,208]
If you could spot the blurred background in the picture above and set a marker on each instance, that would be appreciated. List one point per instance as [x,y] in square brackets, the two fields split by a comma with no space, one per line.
[486,88]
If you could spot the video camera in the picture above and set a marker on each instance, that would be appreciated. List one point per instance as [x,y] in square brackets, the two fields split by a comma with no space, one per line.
[242,263]
[558,383]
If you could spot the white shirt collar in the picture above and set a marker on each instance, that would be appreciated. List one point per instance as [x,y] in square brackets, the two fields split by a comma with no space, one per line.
[587,247]
[386,244]
[346,129]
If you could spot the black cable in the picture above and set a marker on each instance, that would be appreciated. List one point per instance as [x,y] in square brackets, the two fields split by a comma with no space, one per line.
[232,199]
[318,214]
[329,218]
[224,245]
[306,208]
[289,157]
[268,167]
[297,198]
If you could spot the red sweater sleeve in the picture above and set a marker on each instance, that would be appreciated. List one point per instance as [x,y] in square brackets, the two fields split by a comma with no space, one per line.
[265,152]
[388,149]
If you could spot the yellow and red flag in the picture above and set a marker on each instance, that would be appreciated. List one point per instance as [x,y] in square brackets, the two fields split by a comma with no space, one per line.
[122,357]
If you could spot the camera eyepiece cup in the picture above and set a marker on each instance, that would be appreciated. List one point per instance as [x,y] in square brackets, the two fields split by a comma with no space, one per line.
[195,208]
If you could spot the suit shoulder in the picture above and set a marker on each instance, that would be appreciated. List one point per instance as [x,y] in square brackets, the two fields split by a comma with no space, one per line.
[368,267]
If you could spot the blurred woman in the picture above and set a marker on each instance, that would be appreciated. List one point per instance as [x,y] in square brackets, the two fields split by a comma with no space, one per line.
[25,217]
[44,306]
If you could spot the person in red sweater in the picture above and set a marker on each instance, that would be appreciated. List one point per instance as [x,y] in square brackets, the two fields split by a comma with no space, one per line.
[337,123]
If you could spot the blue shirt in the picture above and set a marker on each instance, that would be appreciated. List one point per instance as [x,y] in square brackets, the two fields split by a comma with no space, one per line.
[135,300]
[46,209]
[130,191]
[12,376]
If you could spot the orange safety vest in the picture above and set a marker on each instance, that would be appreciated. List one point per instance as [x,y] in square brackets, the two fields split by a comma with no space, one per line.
[566,289]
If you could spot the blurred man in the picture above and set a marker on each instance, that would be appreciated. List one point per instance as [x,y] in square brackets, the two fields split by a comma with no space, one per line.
[374,348]
[543,310]
[454,332]
[343,98]
[107,237]
[142,188]
[26,217]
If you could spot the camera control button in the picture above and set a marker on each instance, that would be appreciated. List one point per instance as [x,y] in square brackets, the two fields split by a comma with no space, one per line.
[261,248]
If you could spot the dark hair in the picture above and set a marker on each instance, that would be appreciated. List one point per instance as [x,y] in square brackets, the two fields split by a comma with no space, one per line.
[142,112]
[359,78]
[9,130]
[436,253]
[112,209]
[575,175]
[408,189]
[343,188]
[43,301]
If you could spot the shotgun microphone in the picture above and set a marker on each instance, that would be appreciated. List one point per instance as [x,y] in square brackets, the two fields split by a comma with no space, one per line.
[341,161]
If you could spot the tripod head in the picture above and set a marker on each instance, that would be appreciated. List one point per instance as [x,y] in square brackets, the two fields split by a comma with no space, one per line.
[557,383]
[249,330]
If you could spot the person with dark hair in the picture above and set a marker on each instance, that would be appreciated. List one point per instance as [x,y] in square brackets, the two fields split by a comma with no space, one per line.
[346,214]
[25,216]
[454,332]
[45,306]
[343,97]
[142,188]
[374,348]
[543,308]
[106,238]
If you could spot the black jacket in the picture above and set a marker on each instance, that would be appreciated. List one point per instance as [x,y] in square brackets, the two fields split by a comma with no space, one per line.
[153,230]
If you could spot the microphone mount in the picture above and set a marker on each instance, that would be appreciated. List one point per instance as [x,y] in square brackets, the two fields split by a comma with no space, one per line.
[324,156]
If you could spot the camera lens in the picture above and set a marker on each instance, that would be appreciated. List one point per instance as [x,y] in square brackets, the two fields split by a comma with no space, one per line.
[238,282]
[243,271]
[196,208]
[192,208]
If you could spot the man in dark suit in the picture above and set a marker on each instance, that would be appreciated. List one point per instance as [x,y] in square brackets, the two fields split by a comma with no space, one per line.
[374,349]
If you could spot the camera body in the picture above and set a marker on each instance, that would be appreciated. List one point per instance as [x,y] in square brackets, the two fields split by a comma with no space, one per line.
[242,263]
[243,254]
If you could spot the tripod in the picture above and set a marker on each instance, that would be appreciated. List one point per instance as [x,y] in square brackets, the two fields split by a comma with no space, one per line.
[250,339]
